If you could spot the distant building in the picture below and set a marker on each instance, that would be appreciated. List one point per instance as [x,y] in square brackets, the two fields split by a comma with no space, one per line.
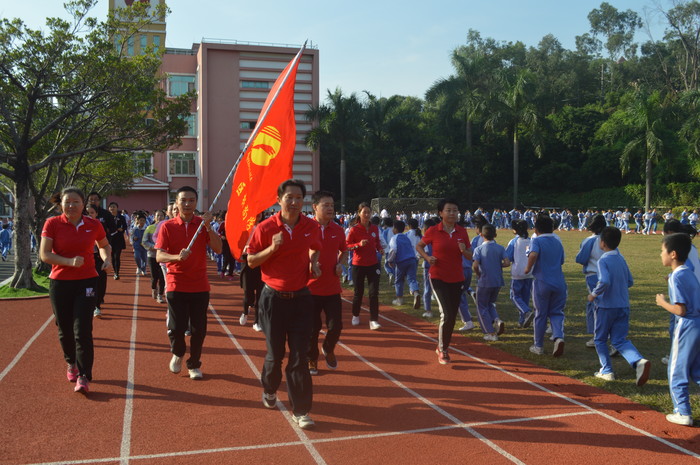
[232,80]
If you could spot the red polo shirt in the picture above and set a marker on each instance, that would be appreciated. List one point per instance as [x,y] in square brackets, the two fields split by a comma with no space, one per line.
[287,269]
[190,275]
[364,255]
[448,267]
[72,241]
[333,243]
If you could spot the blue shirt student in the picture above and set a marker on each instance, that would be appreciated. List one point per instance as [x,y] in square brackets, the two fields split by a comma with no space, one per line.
[614,280]
[490,256]
[550,259]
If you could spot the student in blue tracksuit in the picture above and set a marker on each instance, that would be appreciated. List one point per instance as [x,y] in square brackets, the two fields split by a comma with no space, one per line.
[612,309]
[489,261]
[427,288]
[5,240]
[588,255]
[684,305]
[545,260]
[402,255]
[520,283]
[386,232]
[638,221]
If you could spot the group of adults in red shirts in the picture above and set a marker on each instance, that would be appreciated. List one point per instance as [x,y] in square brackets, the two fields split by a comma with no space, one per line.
[300,261]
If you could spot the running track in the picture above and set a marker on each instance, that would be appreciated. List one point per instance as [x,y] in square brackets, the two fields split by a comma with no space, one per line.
[389,402]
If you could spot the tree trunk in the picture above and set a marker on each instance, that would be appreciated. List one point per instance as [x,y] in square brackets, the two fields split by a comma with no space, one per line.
[647,196]
[470,163]
[342,179]
[516,163]
[22,279]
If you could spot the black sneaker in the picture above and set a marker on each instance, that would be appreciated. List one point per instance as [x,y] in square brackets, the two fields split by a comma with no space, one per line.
[528,319]
[269,400]
[558,347]
[331,361]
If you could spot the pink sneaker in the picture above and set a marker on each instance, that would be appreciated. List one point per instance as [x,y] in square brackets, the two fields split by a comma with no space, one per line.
[83,385]
[72,373]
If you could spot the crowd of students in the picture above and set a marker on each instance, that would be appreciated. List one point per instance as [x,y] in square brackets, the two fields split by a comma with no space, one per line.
[293,263]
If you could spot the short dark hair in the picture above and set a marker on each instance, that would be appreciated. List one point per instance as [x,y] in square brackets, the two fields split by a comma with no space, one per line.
[441,204]
[479,221]
[412,223]
[187,189]
[318,195]
[95,193]
[488,231]
[113,203]
[73,190]
[611,236]
[544,224]
[375,220]
[399,225]
[387,222]
[597,224]
[291,183]
[679,243]
[520,228]
[429,223]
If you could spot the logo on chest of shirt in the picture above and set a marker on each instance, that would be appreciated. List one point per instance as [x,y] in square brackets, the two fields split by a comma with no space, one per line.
[307,234]
[374,235]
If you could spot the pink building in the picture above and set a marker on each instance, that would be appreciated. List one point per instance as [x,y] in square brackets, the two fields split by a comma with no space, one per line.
[232,81]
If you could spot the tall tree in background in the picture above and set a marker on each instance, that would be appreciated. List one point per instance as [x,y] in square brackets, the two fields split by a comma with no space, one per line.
[67,96]
[340,119]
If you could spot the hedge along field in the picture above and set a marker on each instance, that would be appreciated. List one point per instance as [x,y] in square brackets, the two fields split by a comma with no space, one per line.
[648,322]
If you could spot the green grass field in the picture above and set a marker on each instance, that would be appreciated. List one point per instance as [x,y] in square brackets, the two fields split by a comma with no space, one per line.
[41,279]
[648,323]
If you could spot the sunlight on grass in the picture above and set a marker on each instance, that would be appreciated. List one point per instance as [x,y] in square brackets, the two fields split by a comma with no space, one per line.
[41,279]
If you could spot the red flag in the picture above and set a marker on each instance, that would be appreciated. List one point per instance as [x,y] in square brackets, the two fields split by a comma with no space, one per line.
[267,162]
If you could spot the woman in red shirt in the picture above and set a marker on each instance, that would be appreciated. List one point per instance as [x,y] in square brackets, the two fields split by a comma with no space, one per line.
[450,243]
[363,240]
[67,242]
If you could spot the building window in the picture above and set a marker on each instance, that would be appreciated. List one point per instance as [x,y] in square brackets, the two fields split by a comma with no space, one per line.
[178,85]
[182,163]
[248,124]
[191,121]
[118,43]
[143,43]
[130,46]
[256,84]
[156,43]
[143,163]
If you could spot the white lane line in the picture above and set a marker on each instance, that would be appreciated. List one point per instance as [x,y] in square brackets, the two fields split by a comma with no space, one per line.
[314,441]
[299,432]
[24,349]
[435,407]
[125,449]
[544,389]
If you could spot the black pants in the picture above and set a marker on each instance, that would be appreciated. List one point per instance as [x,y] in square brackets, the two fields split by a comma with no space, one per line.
[287,321]
[229,263]
[447,295]
[73,303]
[359,273]
[187,310]
[101,281]
[157,278]
[331,305]
[252,284]
[116,260]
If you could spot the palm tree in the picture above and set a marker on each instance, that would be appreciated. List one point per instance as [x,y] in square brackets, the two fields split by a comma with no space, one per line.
[341,120]
[514,111]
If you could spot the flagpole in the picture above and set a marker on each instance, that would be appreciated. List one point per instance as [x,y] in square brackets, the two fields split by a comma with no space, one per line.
[255,132]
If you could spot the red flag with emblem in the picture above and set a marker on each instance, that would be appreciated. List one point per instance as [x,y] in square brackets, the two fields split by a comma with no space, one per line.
[267,161]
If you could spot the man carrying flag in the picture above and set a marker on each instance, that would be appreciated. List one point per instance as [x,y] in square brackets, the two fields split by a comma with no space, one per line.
[286,248]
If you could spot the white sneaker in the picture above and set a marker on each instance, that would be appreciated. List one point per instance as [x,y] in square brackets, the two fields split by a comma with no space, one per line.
[536,350]
[664,359]
[243,319]
[355,320]
[467,326]
[590,342]
[558,347]
[549,329]
[374,325]
[269,400]
[397,302]
[605,376]
[427,314]
[500,326]
[304,421]
[490,337]
[643,368]
[97,313]
[257,327]
[195,373]
[176,364]
[677,418]
[159,298]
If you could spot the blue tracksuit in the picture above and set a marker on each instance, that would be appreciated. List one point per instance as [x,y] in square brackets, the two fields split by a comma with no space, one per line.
[549,287]
[684,362]
[427,288]
[612,312]
[520,283]
[403,256]
[5,242]
[588,256]
[489,255]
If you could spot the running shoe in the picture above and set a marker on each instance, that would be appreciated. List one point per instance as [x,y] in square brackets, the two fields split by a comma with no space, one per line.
[97,313]
[490,337]
[72,373]
[536,350]
[605,376]
[331,360]
[243,320]
[427,314]
[257,327]
[397,302]
[304,421]
[467,326]
[269,400]
[558,347]
[590,343]
[677,418]
[374,325]
[528,319]
[643,368]
[500,326]
[416,300]
[195,373]
[175,364]
[443,356]
[313,367]
[355,320]
[82,385]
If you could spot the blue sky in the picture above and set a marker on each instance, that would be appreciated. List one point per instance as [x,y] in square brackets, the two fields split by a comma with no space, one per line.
[384,47]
